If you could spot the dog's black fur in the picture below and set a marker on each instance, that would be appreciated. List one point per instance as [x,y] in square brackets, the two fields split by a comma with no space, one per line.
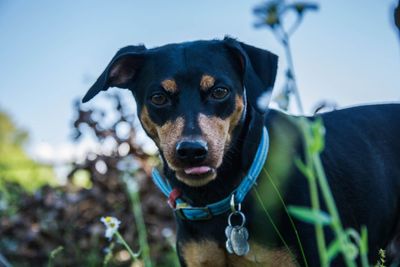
[361,156]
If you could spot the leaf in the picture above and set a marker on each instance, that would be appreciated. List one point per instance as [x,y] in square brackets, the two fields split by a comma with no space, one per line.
[333,250]
[317,143]
[351,250]
[307,172]
[351,233]
[364,247]
[310,216]
[364,241]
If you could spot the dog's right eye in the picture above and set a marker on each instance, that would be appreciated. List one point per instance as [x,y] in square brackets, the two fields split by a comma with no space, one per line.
[219,93]
[159,99]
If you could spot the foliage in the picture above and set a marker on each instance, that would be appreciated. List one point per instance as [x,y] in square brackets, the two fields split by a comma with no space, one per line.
[313,136]
[69,216]
[15,165]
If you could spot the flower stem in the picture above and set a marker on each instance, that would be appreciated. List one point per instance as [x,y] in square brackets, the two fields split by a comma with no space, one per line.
[122,240]
[289,57]
[141,227]
[330,203]
[53,254]
[315,205]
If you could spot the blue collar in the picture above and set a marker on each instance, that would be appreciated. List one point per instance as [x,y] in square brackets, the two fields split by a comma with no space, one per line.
[188,212]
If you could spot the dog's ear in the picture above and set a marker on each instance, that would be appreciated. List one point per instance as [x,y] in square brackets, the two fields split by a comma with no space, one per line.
[259,70]
[120,72]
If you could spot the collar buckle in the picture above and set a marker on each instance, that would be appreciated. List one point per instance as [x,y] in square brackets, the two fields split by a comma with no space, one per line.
[193,213]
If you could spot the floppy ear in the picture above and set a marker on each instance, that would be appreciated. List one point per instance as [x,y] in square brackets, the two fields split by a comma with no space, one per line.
[259,70]
[120,72]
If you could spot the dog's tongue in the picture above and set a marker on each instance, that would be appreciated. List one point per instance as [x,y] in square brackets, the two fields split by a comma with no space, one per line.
[197,170]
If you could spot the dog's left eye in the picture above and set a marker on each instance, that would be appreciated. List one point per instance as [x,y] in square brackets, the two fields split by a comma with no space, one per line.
[159,99]
[219,93]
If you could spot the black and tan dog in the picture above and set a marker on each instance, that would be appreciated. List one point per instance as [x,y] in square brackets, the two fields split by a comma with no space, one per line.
[198,102]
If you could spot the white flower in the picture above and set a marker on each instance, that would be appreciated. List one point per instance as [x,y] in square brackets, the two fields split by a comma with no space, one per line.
[112,225]
[263,100]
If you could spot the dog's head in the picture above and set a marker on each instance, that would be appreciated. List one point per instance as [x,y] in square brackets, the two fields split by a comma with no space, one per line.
[191,97]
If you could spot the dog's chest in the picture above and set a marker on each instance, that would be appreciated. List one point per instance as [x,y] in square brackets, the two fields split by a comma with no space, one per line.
[208,253]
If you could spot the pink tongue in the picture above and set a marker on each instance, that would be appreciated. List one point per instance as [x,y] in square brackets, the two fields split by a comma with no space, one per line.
[197,170]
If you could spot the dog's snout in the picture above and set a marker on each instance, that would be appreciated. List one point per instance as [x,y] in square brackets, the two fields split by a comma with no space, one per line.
[191,151]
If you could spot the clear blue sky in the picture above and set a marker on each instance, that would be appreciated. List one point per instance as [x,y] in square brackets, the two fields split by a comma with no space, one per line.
[51,51]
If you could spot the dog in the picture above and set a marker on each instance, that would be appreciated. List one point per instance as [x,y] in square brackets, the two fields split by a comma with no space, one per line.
[198,101]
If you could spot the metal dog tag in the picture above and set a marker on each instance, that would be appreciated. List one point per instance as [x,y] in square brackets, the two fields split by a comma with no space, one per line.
[237,236]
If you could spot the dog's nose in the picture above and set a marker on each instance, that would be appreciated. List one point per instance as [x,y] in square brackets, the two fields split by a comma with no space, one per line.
[191,152]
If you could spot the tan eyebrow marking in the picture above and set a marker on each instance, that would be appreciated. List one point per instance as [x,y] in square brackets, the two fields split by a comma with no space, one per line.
[206,82]
[169,85]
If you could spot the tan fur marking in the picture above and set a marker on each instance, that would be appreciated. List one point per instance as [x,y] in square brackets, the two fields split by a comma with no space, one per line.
[237,114]
[215,131]
[203,254]
[148,124]
[262,256]
[165,136]
[195,182]
[169,85]
[206,82]
[169,134]
[207,253]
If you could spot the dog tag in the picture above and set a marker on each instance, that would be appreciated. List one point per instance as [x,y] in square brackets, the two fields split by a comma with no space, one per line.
[237,236]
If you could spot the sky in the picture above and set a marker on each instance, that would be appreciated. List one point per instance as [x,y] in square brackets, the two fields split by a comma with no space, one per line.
[52,51]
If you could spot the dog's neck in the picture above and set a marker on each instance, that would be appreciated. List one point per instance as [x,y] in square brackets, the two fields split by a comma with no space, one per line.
[237,161]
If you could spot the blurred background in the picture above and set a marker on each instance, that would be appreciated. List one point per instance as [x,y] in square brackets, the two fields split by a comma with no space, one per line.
[63,165]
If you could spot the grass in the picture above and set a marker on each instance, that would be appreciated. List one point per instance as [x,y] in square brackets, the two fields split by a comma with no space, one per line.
[313,137]
[53,254]
[133,192]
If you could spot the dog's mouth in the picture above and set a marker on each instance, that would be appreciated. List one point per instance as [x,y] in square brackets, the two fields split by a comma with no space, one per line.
[196,176]
[201,170]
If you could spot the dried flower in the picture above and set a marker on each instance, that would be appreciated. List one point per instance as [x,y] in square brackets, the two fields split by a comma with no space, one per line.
[268,13]
[301,7]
